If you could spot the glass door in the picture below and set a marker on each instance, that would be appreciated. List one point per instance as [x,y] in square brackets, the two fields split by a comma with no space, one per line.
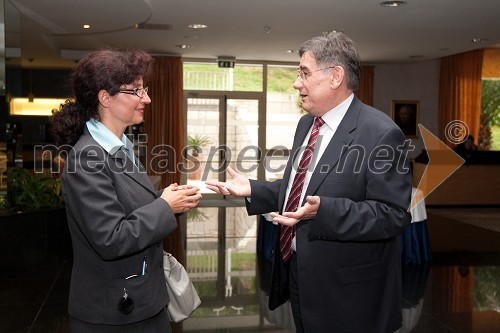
[220,236]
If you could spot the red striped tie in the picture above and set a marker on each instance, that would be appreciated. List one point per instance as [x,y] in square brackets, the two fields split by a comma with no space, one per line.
[296,191]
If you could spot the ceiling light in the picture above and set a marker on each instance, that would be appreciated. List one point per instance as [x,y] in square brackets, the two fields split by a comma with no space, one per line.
[198,26]
[86,26]
[292,51]
[326,33]
[183,46]
[478,40]
[393,3]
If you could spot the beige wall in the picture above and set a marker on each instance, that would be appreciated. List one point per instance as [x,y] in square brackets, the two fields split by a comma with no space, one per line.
[417,81]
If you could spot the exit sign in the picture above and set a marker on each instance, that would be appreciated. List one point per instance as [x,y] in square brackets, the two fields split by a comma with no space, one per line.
[225,62]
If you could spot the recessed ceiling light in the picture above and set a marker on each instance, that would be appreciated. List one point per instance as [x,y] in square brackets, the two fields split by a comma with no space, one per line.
[478,40]
[292,51]
[183,46]
[198,26]
[325,33]
[86,26]
[394,3]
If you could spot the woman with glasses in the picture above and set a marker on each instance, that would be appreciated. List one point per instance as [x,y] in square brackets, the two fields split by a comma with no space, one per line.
[116,218]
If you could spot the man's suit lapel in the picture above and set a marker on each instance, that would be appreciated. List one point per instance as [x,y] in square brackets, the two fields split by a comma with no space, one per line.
[338,145]
[300,136]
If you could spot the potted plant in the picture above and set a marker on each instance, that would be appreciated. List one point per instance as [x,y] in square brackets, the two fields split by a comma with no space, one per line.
[33,220]
[196,215]
[31,192]
[195,143]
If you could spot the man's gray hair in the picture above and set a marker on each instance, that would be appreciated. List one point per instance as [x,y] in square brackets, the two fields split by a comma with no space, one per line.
[336,49]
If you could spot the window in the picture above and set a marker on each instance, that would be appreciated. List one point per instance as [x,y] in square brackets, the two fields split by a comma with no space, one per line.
[283,106]
[283,112]
[208,76]
[226,118]
[490,115]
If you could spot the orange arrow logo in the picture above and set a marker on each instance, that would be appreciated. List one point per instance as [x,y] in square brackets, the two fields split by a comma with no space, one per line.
[443,162]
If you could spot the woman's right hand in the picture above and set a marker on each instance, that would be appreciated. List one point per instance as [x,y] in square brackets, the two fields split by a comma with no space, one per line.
[181,199]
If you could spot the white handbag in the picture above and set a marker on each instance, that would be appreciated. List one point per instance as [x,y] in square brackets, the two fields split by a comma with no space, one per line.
[183,296]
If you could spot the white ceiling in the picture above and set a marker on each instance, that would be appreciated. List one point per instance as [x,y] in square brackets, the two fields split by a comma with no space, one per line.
[50,31]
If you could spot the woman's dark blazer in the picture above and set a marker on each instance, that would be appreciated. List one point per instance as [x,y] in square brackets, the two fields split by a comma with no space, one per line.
[116,220]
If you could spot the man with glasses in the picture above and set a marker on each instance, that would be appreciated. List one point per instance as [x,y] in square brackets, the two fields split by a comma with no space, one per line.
[341,204]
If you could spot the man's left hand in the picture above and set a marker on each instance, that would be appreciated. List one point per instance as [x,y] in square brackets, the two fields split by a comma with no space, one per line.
[306,212]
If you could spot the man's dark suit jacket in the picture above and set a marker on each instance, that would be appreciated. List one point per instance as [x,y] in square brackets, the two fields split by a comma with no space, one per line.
[348,256]
[116,219]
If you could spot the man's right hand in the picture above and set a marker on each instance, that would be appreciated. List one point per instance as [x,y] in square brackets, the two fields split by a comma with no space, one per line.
[239,186]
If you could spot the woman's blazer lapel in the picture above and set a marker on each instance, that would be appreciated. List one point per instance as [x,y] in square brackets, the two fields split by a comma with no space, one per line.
[123,164]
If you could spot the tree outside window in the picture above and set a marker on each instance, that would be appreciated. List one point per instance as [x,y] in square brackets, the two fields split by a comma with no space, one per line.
[489,131]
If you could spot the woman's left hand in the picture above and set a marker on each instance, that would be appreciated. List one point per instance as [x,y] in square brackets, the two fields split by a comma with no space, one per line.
[181,198]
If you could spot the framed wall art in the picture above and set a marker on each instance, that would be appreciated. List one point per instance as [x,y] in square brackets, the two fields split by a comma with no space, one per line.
[405,114]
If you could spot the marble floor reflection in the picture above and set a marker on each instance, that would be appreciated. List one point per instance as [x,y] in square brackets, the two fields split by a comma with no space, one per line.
[459,291]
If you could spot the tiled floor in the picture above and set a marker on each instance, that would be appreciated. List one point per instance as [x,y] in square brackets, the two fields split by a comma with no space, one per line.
[458,292]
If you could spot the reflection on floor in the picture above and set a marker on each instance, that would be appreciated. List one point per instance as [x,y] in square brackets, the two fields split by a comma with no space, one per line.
[458,292]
